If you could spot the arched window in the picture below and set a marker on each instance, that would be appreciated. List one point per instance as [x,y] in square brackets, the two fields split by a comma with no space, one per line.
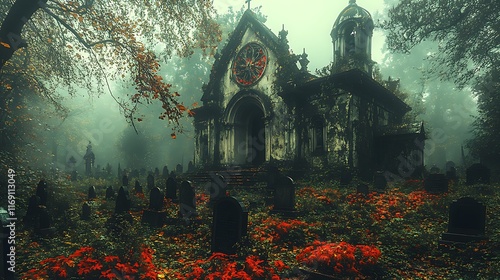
[349,38]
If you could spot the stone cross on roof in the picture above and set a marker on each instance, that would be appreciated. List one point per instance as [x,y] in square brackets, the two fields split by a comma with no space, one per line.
[248,1]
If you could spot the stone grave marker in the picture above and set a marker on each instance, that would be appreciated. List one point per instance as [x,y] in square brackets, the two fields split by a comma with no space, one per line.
[74,176]
[451,174]
[171,189]
[41,192]
[179,169]
[137,187]
[155,214]
[125,180]
[32,211]
[467,220]
[92,193]
[230,219]
[187,201]
[150,181]
[164,172]
[379,181]
[436,183]
[363,189]
[284,197]
[110,193]
[122,201]
[190,167]
[44,225]
[477,174]
[86,211]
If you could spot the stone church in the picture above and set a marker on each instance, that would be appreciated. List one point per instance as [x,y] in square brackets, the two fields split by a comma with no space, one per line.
[262,105]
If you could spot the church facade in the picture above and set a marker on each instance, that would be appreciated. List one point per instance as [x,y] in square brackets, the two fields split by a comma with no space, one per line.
[261,104]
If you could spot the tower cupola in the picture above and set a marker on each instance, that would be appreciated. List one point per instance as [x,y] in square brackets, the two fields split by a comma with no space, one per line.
[352,37]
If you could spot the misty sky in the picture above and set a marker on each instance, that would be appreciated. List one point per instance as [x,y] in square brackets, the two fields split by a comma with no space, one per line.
[309,24]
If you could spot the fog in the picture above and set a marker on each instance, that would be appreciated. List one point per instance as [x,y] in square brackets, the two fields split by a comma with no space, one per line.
[97,119]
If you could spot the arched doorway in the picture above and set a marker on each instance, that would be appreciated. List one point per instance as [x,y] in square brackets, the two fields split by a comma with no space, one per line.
[249,134]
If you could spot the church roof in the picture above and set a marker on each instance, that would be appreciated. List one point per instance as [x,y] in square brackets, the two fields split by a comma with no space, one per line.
[359,83]
[248,20]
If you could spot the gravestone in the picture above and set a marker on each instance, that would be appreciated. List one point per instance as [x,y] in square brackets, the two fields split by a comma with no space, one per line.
[122,201]
[379,181]
[216,188]
[477,174]
[150,181]
[43,226]
[362,189]
[467,220]
[137,187]
[451,174]
[74,176]
[187,201]
[32,211]
[171,189]
[125,180]
[284,197]
[155,215]
[86,211]
[41,191]
[110,193]
[190,167]
[229,225]
[92,194]
[179,169]
[436,183]
[172,174]
[164,172]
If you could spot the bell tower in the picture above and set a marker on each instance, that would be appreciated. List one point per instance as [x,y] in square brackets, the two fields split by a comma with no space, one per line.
[352,39]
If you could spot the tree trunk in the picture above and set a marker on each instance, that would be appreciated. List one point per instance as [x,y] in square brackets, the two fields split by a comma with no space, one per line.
[12,26]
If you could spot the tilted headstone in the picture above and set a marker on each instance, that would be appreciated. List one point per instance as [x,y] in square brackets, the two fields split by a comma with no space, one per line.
[467,220]
[187,201]
[110,193]
[477,173]
[171,189]
[92,193]
[379,180]
[138,187]
[125,180]
[284,195]
[436,183]
[229,225]
[41,192]
[122,201]
[150,181]
[86,211]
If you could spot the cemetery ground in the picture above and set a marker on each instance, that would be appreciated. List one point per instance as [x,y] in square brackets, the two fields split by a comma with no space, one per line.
[400,227]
